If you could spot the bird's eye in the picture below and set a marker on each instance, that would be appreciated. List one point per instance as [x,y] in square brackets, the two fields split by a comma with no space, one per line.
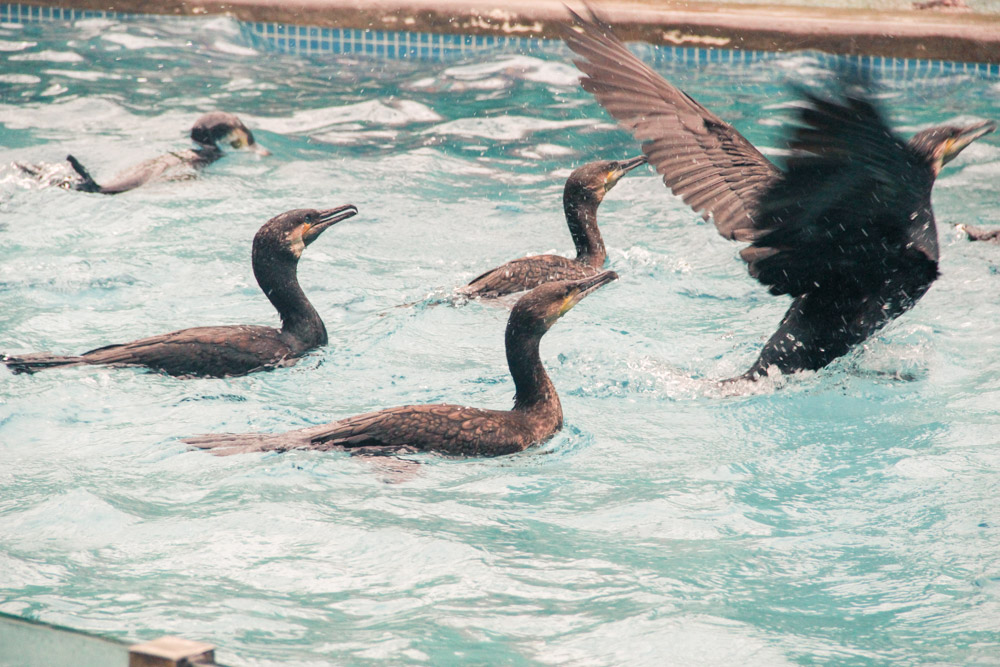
[237,139]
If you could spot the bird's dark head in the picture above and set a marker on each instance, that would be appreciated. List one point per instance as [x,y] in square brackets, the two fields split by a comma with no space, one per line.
[942,143]
[285,236]
[591,181]
[539,309]
[218,126]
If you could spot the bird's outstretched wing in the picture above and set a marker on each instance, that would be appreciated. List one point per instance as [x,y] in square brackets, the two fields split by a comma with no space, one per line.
[702,159]
[853,206]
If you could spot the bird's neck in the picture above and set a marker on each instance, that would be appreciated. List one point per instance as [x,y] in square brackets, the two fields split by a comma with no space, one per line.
[208,153]
[278,280]
[581,216]
[534,390]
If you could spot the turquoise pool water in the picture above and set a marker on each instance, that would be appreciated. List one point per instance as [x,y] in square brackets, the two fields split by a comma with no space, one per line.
[847,518]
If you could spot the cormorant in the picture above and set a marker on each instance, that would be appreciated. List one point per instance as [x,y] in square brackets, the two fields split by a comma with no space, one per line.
[451,429]
[208,131]
[846,229]
[224,351]
[980,234]
[584,191]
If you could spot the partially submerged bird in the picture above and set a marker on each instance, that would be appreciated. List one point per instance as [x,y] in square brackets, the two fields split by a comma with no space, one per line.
[846,229]
[584,191]
[980,234]
[208,132]
[224,351]
[451,429]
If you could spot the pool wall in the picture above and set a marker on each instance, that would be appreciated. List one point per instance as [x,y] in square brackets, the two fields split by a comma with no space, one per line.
[422,43]
[30,643]
[959,37]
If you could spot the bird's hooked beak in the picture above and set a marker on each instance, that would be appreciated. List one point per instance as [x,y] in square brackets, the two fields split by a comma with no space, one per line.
[954,145]
[326,219]
[258,149]
[621,168]
[586,286]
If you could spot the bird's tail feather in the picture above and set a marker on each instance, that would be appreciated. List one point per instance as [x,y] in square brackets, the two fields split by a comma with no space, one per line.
[30,363]
[225,444]
[87,183]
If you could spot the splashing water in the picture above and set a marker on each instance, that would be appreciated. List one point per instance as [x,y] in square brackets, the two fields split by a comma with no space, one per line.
[841,517]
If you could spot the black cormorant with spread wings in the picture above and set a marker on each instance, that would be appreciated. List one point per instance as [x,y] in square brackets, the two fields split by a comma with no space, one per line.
[846,229]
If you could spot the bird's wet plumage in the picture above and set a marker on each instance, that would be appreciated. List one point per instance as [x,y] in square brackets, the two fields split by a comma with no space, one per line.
[208,132]
[584,191]
[452,429]
[223,351]
[846,229]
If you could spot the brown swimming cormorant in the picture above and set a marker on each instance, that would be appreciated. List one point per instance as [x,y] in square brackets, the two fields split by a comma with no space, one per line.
[584,191]
[224,351]
[451,429]
[208,131]
[846,229]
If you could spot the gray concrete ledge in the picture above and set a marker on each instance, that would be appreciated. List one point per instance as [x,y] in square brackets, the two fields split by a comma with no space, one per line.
[34,644]
[962,37]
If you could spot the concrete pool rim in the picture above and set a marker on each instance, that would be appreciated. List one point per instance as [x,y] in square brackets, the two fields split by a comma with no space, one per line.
[928,35]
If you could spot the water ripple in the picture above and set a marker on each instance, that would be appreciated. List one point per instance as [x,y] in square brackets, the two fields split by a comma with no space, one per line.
[840,517]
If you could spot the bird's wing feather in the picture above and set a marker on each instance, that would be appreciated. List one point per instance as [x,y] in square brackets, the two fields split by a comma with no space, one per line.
[702,159]
[853,203]
[165,167]
[450,429]
[220,350]
[525,273]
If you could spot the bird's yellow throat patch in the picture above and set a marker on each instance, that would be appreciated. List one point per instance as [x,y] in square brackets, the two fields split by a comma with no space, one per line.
[567,304]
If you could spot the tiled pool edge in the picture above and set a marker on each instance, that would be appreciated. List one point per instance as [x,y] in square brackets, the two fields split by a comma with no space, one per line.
[922,35]
[306,39]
